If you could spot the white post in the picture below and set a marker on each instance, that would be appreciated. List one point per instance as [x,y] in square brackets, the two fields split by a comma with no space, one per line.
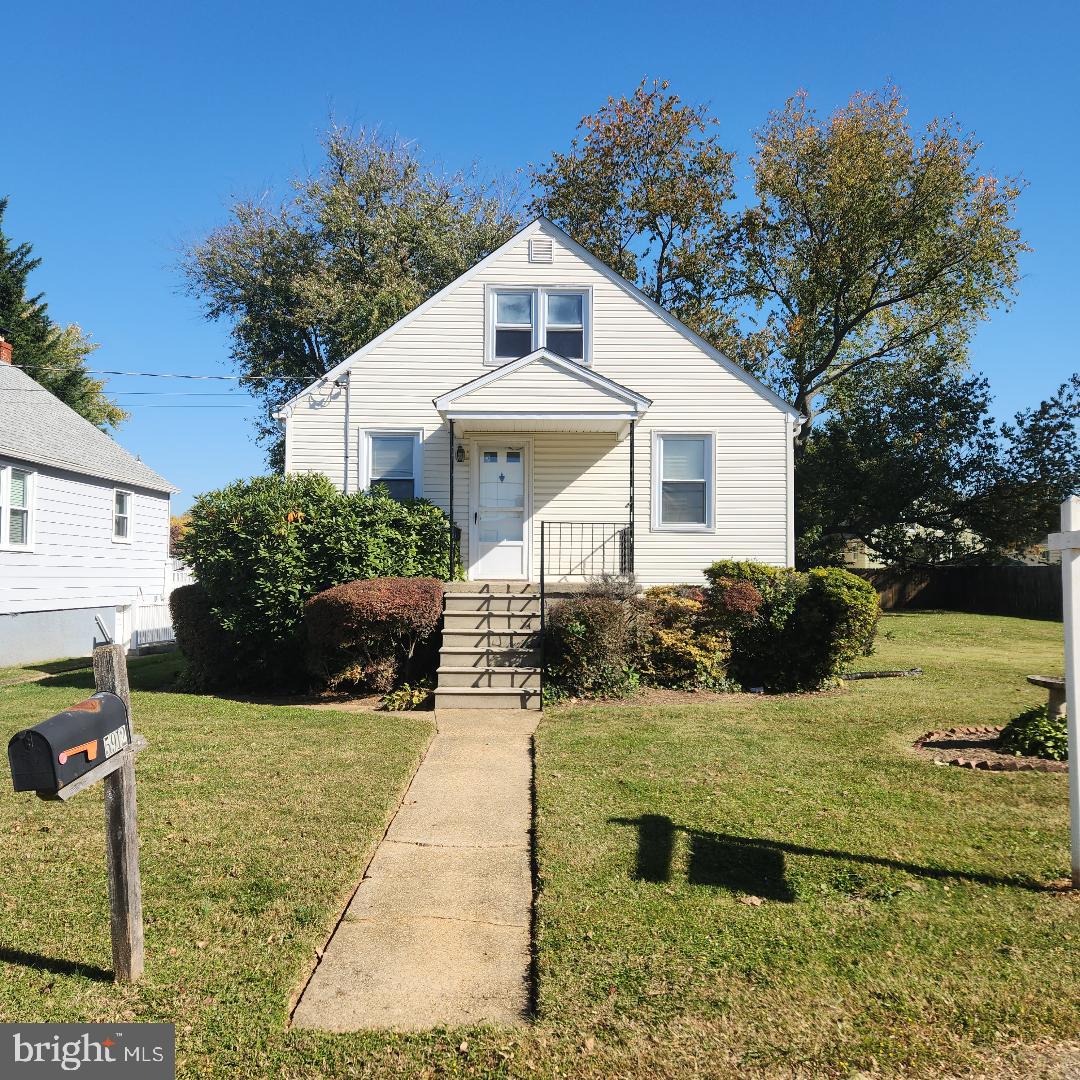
[1068,543]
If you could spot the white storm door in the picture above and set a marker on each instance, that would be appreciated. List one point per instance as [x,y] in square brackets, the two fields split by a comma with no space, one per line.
[499,513]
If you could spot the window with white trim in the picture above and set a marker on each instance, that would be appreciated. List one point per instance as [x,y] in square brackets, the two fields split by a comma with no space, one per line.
[522,320]
[16,507]
[393,462]
[683,481]
[121,521]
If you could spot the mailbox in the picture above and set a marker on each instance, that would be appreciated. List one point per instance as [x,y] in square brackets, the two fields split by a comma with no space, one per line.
[51,755]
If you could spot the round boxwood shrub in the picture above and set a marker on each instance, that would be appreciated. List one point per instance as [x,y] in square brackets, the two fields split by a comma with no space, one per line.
[802,633]
[262,547]
[370,634]
[1034,734]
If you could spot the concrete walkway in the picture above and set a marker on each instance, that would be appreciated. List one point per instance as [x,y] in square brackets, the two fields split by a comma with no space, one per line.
[438,931]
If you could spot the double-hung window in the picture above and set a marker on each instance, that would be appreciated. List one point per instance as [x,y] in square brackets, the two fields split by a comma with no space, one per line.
[521,320]
[121,522]
[393,462]
[16,507]
[564,324]
[515,324]
[683,481]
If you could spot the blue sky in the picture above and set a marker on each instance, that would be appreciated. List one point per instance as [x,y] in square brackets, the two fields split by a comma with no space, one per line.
[126,128]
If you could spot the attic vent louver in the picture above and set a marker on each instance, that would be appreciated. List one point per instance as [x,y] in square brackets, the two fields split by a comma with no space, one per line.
[541,250]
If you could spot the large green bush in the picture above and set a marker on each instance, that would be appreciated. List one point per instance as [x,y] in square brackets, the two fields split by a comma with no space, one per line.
[261,547]
[210,654]
[806,629]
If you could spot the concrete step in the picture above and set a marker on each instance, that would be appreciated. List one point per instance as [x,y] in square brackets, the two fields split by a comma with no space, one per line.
[486,697]
[492,657]
[490,620]
[497,639]
[494,587]
[522,603]
[501,677]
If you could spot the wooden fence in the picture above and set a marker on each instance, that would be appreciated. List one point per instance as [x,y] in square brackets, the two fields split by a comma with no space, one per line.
[1030,592]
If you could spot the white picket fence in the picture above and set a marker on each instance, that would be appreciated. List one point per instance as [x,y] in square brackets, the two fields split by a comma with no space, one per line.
[149,619]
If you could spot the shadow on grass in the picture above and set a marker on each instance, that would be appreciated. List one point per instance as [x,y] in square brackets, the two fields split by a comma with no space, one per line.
[153,673]
[57,967]
[755,865]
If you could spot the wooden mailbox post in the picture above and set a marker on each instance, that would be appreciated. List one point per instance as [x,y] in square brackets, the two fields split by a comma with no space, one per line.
[60,757]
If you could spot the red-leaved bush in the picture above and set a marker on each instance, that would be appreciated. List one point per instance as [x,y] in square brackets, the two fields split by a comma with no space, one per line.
[372,634]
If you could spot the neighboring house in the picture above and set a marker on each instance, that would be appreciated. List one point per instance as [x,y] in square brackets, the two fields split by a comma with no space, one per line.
[540,392]
[84,527]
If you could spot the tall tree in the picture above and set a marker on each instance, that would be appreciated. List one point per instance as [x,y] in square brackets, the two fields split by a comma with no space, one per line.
[645,187]
[866,246]
[53,355]
[910,461]
[367,238]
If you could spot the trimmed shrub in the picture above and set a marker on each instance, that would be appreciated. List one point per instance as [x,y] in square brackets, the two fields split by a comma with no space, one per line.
[209,653]
[370,634]
[262,547]
[684,652]
[593,646]
[802,633]
[1034,734]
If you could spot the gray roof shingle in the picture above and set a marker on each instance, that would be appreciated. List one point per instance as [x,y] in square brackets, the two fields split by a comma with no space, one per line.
[37,427]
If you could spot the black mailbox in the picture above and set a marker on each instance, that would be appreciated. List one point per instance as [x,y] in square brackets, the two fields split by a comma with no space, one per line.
[49,756]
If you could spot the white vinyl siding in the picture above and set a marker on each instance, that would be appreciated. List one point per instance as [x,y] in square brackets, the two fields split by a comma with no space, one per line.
[73,562]
[582,475]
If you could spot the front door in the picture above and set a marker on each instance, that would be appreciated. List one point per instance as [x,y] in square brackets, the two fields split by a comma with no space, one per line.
[499,521]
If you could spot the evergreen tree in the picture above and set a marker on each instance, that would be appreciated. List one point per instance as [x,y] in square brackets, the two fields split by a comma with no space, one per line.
[53,355]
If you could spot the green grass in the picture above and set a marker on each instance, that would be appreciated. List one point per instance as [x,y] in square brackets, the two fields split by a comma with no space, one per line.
[906,926]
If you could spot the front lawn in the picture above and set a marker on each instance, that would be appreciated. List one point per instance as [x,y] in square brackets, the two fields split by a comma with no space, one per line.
[906,925]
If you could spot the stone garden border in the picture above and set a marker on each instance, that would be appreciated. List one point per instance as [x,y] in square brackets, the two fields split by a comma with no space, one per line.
[1005,764]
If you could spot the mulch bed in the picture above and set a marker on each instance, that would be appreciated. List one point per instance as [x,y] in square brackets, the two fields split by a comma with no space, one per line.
[976,748]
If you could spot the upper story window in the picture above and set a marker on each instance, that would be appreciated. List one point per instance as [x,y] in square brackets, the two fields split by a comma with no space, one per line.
[521,320]
[121,522]
[393,461]
[683,481]
[16,507]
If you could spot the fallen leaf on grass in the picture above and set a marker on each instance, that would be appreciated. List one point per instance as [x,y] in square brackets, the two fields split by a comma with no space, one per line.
[751,901]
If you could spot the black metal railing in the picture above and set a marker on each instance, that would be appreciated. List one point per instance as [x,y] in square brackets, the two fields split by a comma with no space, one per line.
[453,550]
[581,549]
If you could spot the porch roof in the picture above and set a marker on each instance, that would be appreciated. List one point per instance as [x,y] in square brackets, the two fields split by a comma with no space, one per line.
[542,392]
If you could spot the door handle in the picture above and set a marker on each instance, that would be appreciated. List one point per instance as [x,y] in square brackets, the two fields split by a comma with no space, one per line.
[476,517]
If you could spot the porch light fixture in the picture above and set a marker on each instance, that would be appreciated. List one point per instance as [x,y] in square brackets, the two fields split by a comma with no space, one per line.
[459,456]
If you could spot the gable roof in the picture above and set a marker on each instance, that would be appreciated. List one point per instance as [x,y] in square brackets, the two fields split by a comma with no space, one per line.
[606,389]
[542,224]
[40,429]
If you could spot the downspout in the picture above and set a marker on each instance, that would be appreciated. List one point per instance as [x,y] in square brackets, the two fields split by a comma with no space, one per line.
[343,382]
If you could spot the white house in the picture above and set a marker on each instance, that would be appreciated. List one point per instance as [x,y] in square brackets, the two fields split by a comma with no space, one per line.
[84,527]
[542,395]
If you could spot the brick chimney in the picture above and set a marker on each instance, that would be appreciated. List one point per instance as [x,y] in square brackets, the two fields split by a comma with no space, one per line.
[5,349]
